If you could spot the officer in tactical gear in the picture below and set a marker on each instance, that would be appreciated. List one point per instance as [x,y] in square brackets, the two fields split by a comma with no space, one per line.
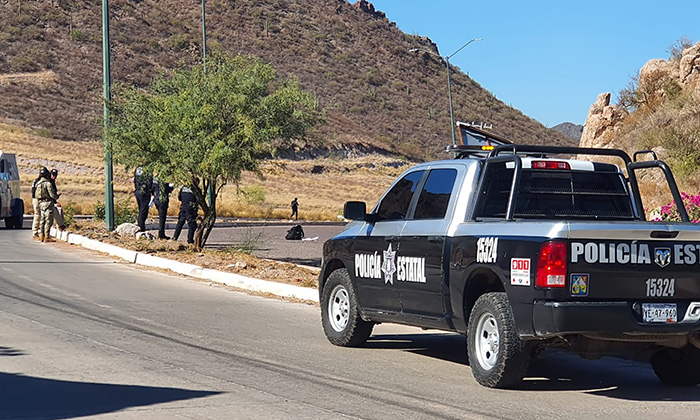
[47,196]
[188,213]
[37,212]
[161,198]
[143,190]
[58,217]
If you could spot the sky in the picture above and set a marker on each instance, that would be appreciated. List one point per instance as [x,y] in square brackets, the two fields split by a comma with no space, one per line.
[549,59]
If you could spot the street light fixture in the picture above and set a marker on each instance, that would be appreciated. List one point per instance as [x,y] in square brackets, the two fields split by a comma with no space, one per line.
[449,88]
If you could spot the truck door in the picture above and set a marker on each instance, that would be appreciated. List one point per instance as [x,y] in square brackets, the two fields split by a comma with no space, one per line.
[375,252]
[420,263]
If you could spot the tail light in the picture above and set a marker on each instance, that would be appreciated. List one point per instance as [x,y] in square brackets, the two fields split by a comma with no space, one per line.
[551,266]
[549,164]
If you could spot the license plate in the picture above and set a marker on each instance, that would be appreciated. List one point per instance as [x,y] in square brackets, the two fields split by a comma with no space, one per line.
[665,313]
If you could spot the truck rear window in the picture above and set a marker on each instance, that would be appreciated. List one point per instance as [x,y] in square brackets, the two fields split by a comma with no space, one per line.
[556,194]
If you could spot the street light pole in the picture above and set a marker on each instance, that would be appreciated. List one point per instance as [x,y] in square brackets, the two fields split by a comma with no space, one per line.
[449,86]
[106,86]
[210,189]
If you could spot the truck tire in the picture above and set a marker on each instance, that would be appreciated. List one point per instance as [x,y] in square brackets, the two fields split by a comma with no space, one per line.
[340,314]
[678,367]
[497,355]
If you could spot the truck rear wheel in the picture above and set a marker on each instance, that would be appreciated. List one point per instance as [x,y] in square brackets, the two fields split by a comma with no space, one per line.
[340,313]
[497,355]
[679,367]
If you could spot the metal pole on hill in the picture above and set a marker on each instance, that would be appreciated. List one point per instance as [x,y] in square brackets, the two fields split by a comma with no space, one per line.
[449,87]
[106,85]
[210,190]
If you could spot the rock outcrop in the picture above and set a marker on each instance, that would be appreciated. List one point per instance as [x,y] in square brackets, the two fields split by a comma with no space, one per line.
[600,123]
[656,77]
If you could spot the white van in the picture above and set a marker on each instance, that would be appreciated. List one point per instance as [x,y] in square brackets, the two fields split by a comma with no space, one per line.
[11,205]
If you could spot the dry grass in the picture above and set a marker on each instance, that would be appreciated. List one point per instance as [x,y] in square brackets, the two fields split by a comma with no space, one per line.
[321,195]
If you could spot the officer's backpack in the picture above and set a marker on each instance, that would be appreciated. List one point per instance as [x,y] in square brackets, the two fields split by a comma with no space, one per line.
[295,233]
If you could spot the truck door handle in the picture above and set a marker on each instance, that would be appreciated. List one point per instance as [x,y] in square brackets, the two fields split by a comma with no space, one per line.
[436,239]
[392,238]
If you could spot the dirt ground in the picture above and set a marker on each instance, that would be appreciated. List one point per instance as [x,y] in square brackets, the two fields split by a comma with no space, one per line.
[253,249]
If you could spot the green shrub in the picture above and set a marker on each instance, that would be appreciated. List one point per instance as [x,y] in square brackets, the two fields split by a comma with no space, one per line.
[253,194]
[43,132]
[123,212]
[78,35]
[178,42]
[69,211]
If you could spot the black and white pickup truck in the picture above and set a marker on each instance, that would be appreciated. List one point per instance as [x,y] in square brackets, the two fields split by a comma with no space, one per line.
[519,249]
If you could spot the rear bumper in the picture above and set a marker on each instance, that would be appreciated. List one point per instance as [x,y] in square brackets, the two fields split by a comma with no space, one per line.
[560,318]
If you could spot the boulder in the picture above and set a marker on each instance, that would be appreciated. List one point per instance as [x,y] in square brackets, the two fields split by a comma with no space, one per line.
[127,229]
[689,70]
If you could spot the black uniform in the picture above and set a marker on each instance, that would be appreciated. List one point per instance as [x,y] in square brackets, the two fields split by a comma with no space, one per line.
[161,194]
[295,209]
[143,190]
[188,213]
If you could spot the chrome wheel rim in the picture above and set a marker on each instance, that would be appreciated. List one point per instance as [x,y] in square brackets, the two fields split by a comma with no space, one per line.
[487,341]
[339,308]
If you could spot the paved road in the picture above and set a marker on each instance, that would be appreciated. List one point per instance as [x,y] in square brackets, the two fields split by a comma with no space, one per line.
[83,336]
[267,239]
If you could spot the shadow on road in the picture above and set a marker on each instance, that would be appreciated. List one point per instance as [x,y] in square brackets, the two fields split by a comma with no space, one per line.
[9,351]
[26,396]
[555,370]
[443,346]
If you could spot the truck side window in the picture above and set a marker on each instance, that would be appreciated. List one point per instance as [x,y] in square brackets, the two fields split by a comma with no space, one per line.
[395,204]
[496,191]
[435,196]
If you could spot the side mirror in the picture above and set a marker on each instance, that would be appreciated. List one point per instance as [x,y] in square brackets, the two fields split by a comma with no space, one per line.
[355,210]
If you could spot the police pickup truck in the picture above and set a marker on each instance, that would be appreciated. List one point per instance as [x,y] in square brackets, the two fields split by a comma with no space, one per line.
[519,249]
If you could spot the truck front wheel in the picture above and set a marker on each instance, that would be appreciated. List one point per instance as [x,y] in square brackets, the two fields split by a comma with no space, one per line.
[679,367]
[340,313]
[497,355]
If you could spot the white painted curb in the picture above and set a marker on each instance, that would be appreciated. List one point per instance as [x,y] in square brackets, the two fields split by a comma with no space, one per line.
[229,279]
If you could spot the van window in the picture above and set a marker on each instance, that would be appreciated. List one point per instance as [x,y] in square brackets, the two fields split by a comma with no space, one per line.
[435,196]
[2,166]
[394,205]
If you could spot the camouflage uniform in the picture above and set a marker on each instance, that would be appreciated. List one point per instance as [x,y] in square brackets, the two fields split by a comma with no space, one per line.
[47,196]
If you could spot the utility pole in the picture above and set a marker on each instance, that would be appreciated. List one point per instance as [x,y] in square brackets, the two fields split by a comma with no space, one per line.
[107,96]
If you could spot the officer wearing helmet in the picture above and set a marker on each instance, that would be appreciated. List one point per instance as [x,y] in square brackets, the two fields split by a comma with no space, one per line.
[46,195]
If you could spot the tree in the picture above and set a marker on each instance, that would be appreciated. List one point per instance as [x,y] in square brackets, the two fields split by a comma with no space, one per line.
[202,128]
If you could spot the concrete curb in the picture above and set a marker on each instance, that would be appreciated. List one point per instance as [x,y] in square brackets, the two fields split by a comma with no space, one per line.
[191,270]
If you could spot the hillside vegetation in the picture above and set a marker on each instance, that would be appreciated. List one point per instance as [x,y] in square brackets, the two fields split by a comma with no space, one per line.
[379,97]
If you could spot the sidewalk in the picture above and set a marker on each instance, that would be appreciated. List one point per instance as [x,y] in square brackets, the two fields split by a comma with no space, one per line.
[228,279]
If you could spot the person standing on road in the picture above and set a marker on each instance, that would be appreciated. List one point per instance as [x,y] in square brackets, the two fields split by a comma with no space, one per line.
[188,213]
[295,209]
[37,211]
[57,210]
[161,197]
[143,190]
[47,196]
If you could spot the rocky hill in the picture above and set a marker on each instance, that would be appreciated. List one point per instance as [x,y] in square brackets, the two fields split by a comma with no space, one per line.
[378,95]
[570,130]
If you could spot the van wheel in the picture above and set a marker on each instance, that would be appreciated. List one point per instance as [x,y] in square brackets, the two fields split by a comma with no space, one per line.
[497,355]
[340,313]
[679,367]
